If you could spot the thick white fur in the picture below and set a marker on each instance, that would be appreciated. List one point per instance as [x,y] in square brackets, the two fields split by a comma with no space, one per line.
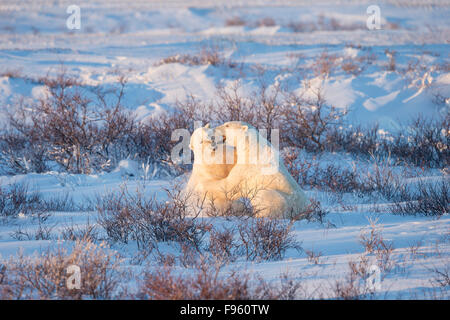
[211,166]
[263,179]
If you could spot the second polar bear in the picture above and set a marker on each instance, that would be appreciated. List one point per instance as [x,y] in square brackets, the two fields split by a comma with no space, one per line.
[212,163]
[259,175]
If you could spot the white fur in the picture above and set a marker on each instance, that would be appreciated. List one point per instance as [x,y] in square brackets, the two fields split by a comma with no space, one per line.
[262,178]
[211,166]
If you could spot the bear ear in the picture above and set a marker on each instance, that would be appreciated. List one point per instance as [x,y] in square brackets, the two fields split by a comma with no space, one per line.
[208,125]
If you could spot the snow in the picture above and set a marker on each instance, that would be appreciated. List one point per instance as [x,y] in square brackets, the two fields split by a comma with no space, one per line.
[372,104]
[127,167]
[133,36]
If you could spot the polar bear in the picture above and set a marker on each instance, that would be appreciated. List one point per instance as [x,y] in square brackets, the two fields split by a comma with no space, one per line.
[259,175]
[212,163]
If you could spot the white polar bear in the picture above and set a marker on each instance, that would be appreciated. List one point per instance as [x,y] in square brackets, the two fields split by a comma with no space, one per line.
[259,175]
[212,163]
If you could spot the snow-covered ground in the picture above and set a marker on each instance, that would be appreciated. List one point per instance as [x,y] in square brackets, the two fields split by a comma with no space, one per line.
[134,36]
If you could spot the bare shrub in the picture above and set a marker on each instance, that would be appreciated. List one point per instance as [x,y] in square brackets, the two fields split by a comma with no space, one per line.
[42,232]
[298,26]
[371,240]
[151,141]
[357,140]
[266,22]
[266,239]
[360,267]
[430,199]
[128,217]
[262,108]
[16,199]
[87,129]
[424,143]
[323,24]
[313,256]
[440,99]
[444,66]
[442,276]
[336,179]
[241,208]
[230,104]
[374,264]
[392,25]
[268,103]
[235,21]
[207,56]
[222,244]
[315,212]
[328,178]
[383,180]
[310,124]
[207,283]
[211,56]
[296,168]
[22,150]
[418,72]
[203,284]
[391,64]
[325,64]
[420,142]
[287,288]
[78,131]
[355,285]
[11,73]
[45,276]
[351,67]
[334,24]
[374,243]
[61,202]
[414,249]
[86,232]
[114,217]
[349,288]
[439,271]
